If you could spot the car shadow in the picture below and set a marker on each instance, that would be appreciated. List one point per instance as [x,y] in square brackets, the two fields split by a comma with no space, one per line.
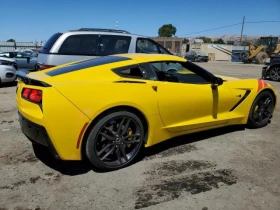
[73,168]
[188,139]
[70,168]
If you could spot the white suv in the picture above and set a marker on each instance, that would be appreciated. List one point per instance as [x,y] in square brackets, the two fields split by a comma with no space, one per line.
[93,42]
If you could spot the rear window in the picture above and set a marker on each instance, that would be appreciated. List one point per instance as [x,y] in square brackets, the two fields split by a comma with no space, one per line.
[112,44]
[79,45]
[48,45]
[95,45]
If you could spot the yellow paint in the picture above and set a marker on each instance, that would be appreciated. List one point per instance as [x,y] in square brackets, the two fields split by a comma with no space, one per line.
[174,109]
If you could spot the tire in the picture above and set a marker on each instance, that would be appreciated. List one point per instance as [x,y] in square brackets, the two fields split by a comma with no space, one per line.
[244,56]
[274,73]
[260,57]
[37,67]
[262,110]
[115,149]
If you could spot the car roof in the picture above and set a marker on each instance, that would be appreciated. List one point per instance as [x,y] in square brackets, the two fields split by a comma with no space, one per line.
[101,31]
[143,57]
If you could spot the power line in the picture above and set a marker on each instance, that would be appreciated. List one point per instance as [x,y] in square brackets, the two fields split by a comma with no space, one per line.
[212,29]
[266,21]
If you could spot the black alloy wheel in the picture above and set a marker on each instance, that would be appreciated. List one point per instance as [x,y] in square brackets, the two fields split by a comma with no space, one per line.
[274,73]
[261,110]
[115,140]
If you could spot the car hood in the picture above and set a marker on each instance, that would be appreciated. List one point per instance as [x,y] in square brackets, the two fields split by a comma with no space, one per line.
[275,56]
[7,59]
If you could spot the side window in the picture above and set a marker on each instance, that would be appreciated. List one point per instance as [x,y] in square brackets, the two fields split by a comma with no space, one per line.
[146,46]
[136,71]
[113,44]
[19,55]
[80,45]
[180,72]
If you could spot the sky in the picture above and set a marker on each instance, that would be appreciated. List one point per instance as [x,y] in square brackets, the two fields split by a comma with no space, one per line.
[29,20]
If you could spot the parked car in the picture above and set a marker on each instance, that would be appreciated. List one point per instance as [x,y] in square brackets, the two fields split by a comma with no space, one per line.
[196,55]
[23,60]
[8,69]
[106,109]
[87,43]
[271,70]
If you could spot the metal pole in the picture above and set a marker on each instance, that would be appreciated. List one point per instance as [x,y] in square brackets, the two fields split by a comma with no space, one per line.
[242,29]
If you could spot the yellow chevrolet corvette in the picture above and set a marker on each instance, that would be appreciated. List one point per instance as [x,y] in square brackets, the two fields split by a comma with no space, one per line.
[106,109]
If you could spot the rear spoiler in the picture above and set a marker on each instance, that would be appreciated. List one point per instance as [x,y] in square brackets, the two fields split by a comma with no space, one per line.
[22,75]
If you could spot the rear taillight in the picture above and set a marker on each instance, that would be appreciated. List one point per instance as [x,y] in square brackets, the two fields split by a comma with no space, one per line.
[32,95]
[44,66]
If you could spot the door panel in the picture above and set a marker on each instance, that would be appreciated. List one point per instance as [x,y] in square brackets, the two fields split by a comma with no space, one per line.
[32,62]
[21,62]
[190,106]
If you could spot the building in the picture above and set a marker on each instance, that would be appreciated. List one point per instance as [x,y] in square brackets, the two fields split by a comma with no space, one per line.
[173,44]
[11,46]
[216,52]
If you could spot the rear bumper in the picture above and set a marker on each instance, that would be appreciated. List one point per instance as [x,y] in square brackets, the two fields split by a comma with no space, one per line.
[37,133]
[7,74]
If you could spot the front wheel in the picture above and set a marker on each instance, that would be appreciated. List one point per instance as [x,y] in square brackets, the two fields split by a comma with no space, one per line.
[261,110]
[115,141]
[274,73]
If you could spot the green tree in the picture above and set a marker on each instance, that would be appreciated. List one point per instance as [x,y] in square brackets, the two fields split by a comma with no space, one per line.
[10,40]
[219,41]
[185,41]
[205,39]
[167,30]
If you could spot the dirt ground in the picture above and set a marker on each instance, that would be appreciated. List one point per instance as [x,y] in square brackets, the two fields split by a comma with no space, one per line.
[232,168]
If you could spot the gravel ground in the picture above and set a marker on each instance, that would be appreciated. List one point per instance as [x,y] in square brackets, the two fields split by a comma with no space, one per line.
[232,168]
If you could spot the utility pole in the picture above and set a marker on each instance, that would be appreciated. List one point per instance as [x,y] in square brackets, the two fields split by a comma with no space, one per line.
[242,29]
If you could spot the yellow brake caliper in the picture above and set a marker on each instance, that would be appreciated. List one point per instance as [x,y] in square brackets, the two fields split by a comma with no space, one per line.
[129,132]
[256,108]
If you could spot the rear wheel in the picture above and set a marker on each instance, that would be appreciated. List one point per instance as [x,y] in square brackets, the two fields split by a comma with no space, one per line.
[115,141]
[261,57]
[261,110]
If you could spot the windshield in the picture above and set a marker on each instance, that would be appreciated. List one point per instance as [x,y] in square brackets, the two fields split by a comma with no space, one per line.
[266,41]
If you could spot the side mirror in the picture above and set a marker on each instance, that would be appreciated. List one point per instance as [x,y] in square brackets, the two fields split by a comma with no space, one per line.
[217,81]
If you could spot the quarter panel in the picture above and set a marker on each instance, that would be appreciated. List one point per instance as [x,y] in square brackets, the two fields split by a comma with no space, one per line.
[61,119]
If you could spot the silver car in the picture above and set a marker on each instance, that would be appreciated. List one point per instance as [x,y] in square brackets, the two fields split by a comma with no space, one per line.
[8,68]
[23,60]
[87,43]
